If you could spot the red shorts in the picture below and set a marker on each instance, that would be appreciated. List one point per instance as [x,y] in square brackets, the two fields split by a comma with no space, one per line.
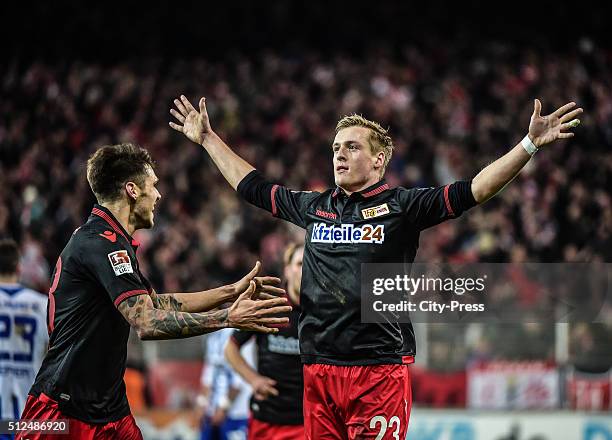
[356,402]
[45,408]
[259,430]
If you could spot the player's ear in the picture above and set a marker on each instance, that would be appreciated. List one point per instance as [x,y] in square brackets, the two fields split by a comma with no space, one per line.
[380,160]
[132,190]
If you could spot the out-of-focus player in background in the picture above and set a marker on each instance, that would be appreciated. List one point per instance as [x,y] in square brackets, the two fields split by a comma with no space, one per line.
[98,293]
[225,394]
[356,377]
[23,333]
[278,385]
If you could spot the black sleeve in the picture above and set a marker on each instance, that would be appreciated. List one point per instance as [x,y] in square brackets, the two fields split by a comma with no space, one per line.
[279,200]
[112,265]
[241,337]
[426,207]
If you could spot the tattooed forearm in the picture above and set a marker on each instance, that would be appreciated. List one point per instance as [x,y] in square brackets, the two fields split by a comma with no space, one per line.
[156,323]
[194,302]
[167,302]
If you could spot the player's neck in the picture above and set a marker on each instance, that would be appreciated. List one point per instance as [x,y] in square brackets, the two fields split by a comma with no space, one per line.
[122,212]
[360,187]
[8,279]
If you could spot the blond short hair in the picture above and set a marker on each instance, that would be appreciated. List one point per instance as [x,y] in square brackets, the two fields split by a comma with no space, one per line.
[379,137]
[290,251]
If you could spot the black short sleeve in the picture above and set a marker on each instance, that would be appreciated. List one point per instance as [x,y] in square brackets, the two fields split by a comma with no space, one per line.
[426,207]
[241,337]
[277,199]
[114,266]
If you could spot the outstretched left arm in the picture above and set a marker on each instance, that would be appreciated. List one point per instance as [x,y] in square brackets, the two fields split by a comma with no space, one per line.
[542,130]
[193,302]
[198,302]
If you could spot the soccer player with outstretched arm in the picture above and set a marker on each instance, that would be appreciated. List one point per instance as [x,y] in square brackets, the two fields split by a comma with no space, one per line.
[356,378]
[99,292]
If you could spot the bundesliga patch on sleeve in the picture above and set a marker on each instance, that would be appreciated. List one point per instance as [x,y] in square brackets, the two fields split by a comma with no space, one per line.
[375,211]
[120,262]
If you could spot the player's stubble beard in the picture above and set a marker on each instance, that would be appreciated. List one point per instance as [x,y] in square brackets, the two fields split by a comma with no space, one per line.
[143,214]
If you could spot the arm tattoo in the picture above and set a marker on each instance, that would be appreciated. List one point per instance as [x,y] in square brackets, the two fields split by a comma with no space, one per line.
[154,323]
[166,302]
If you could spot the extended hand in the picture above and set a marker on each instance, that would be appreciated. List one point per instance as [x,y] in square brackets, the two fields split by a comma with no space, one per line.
[257,315]
[265,287]
[546,129]
[193,124]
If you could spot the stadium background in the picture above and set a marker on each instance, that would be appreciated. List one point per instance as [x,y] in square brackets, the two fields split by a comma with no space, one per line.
[454,83]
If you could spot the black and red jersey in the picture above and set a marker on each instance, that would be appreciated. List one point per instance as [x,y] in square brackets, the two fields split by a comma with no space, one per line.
[83,369]
[377,225]
[278,357]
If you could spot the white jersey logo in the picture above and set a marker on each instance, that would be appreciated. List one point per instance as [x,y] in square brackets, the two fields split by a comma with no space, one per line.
[283,345]
[347,233]
[120,262]
[375,211]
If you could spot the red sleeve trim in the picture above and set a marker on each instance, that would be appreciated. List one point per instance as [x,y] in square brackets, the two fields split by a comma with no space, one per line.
[126,295]
[449,208]
[51,324]
[272,194]
[51,310]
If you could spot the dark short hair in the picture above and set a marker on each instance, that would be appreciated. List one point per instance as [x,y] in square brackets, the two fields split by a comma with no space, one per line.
[9,256]
[110,167]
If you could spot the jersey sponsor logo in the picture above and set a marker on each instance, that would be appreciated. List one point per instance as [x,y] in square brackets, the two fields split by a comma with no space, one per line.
[375,211]
[325,214]
[347,233]
[110,236]
[120,262]
[283,345]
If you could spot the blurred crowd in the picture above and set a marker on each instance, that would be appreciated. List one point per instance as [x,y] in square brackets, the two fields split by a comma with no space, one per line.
[451,110]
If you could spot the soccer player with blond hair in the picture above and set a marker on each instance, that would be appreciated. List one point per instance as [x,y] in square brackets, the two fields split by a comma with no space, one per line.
[356,377]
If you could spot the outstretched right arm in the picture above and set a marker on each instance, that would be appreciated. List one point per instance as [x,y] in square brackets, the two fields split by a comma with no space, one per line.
[196,126]
[279,200]
[153,323]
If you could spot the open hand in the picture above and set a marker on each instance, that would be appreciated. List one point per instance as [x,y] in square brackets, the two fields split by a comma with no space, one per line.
[265,286]
[257,315]
[193,124]
[546,129]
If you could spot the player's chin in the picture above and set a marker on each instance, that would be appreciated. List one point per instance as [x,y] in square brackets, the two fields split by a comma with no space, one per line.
[340,179]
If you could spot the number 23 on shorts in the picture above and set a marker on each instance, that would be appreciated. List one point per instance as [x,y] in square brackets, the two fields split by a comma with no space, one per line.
[381,423]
